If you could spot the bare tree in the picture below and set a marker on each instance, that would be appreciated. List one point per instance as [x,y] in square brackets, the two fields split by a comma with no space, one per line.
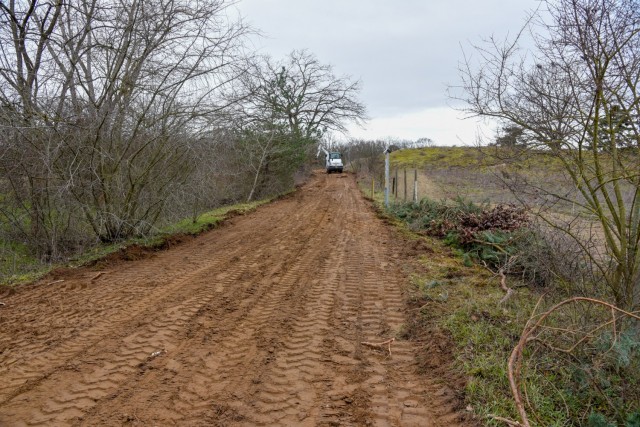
[106,101]
[25,72]
[304,94]
[575,97]
[288,106]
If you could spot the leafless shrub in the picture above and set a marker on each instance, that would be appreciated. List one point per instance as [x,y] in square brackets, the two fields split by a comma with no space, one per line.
[575,98]
[593,337]
[103,104]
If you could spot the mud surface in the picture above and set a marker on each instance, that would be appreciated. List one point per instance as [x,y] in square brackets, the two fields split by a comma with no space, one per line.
[259,322]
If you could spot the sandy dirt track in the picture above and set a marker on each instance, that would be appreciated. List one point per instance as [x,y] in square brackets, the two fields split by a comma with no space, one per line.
[259,322]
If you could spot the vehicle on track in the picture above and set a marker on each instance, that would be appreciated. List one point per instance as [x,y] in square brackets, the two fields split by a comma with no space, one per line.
[333,160]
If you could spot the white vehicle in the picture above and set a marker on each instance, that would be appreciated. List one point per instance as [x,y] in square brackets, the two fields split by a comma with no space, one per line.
[333,160]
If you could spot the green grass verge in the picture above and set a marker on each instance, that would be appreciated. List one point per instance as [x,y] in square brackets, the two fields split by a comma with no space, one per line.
[14,256]
[33,269]
[206,220]
[463,303]
[364,184]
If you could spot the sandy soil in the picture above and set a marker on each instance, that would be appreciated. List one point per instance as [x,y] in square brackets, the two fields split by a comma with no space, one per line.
[259,322]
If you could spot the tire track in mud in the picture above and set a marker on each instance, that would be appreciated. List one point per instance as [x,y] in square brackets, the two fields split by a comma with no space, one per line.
[154,333]
[245,342]
[257,323]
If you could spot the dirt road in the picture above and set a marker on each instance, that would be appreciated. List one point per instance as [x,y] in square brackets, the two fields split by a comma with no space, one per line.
[259,322]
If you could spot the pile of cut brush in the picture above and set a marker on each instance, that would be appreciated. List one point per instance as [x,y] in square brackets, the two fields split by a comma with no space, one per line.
[468,224]
[492,235]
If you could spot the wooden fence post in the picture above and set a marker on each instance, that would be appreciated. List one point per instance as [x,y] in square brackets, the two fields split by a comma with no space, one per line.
[396,181]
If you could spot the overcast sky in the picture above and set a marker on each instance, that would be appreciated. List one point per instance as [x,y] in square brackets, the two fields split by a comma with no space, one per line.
[405,52]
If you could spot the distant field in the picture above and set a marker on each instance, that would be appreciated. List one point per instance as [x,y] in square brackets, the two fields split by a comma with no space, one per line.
[481,175]
[478,175]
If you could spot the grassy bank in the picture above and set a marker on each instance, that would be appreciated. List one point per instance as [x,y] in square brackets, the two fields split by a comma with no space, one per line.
[17,258]
[463,304]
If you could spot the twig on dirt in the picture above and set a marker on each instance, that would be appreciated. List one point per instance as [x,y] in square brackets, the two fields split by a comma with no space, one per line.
[503,285]
[55,281]
[380,344]
[98,275]
[503,278]
[422,306]
[2,304]
[505,420]
[425,304]
[156,354]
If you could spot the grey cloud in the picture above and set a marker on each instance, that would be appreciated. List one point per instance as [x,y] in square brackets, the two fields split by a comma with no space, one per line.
[405,52]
